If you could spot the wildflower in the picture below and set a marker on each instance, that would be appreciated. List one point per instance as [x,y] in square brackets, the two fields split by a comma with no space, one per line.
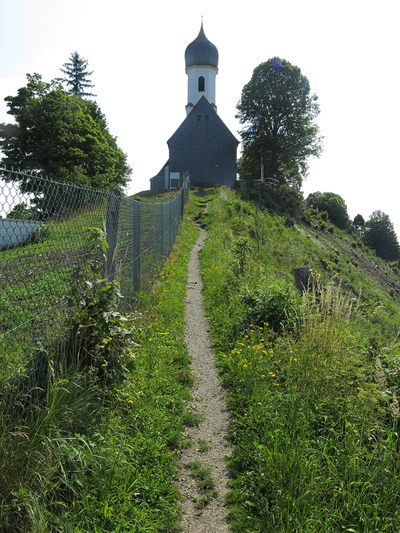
[244,366]
[130,401]
[259,403]
[395,408]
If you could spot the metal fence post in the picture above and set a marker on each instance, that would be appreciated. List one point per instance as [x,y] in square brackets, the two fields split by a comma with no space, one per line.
[182,199]
[113,232]
[162,228]
[137,244]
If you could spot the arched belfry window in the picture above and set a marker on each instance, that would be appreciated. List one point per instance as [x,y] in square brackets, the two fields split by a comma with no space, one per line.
[202,84]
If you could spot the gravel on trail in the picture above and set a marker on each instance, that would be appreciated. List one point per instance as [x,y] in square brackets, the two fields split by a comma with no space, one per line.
[208,441]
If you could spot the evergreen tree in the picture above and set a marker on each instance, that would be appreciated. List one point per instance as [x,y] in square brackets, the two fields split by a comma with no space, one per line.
[77,75]
[358,221]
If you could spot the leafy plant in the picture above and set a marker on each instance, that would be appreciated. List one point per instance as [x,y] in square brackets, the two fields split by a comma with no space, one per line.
[205,483]
[277,305]
[101,338]
[241,251]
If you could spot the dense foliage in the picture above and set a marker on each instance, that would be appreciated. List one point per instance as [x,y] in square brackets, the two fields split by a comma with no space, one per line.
[277,111]
[358,221]
[333,204]
[62,137]
[77,75]
[379,235]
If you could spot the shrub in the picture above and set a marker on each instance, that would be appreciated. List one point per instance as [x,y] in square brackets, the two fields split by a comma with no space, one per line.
[276,305]
[333,204]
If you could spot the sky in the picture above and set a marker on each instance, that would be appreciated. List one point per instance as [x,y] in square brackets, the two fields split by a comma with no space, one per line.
[348,49]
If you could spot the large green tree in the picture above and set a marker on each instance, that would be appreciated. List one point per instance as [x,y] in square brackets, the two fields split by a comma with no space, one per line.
[61,137]
[277,111]
[333,204]
[379,234]
[77,76]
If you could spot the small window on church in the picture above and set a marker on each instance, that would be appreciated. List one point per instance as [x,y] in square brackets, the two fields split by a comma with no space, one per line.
[202,84]
[207,118]
[199,117]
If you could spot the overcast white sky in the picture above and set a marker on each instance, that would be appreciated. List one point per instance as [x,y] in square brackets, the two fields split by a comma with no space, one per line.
[348,49]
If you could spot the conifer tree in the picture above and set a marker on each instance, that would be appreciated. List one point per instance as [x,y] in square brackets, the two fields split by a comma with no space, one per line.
[77,75]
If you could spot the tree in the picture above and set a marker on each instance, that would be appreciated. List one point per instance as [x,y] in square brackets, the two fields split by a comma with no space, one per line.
[20,211]
[278,110]
[358,222]
[333,204]
[77,75]
[379,235]
[62,137]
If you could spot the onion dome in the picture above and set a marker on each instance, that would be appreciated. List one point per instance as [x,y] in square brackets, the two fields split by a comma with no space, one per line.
[201,52]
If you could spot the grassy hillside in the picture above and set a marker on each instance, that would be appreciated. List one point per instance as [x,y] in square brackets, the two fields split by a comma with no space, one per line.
[312,379]
[312,383]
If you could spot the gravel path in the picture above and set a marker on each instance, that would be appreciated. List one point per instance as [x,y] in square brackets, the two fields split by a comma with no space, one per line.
[210,404]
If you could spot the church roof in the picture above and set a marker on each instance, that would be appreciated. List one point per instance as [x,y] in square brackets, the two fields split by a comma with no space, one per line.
[201,51]
[202,117]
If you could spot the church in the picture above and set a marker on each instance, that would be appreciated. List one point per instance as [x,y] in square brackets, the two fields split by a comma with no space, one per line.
[202,148]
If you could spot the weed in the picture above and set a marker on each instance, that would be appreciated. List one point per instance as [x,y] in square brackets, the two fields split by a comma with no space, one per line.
[204,482]
[191,419]
[204,446]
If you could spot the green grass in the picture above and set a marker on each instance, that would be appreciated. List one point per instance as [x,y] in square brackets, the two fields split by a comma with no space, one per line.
[37,277]
[91,458]
[312,382]
[204,446]
[205,483]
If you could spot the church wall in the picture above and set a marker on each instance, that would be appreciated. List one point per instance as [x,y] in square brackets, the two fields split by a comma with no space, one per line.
[205,149]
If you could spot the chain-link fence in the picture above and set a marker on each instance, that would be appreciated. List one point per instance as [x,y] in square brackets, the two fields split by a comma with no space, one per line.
[45,250]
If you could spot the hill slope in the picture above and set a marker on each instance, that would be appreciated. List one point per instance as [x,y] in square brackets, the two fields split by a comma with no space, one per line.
[312,380]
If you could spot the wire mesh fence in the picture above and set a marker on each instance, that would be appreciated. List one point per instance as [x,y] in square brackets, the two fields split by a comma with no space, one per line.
[45,250]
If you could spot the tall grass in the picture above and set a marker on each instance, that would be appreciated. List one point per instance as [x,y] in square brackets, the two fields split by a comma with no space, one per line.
[313,394]
[101,455]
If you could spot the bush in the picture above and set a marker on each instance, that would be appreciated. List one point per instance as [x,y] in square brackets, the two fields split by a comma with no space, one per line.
[276,306]
[333,204]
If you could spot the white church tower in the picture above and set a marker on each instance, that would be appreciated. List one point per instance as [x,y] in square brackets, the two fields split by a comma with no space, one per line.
[201,60]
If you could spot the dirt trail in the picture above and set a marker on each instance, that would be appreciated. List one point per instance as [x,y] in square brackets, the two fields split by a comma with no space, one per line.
[209,402]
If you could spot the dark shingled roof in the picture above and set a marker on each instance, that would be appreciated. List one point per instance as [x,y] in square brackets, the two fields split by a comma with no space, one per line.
[204,147]
[201,51]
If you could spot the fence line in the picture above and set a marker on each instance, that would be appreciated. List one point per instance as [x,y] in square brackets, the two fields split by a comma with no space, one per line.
[44,254]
